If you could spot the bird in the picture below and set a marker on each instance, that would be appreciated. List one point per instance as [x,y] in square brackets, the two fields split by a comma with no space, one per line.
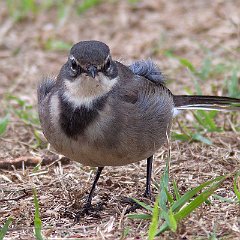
[100,112]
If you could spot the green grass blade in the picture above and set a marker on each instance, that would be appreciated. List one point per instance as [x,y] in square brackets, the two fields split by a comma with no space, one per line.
[197,86]
[134,1]
[154,222]
[163,187]
[176,191]
[188,195]
[56,45]
[197,201]
[19,101]
[223,199]
[3,124]
[233,85]
[144,205]
[198,118]
[187,64]
[185,199]
[180,136]
[5,227]
[206,68]
[38,139]
[87,4]
[162,229]
[169,197]
[207,119]
[139,216]
[37,219]
[172,221]
[235,187]
[200,138]
[126,231]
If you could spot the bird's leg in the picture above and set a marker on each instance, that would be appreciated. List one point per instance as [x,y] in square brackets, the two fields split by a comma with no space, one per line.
[88,205]
[147,192]
[90,196]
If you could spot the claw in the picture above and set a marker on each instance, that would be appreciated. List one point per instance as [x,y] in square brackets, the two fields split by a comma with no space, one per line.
[89,209]
[134,205]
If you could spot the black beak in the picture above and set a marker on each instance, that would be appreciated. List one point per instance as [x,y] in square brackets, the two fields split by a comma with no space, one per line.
[92,71]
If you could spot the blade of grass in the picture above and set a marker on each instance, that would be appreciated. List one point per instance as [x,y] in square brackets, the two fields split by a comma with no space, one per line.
[144,205]
[5,227]
[38,139]
[172,223]
[176,191]
[223,199]
[160,206]
[162,228]
[198,201]
[188,195]
[180,214]
[134,1]
[87,4]
[37,219]
[24,111]
[200,138]
[235,187]
[164,183]
[139,216]
[3,124]
[187,64]
[206,68]
[180,136]
[56,45]
[170,220]
[126,231]
[197,86]
[154,222]
[233,85]
[206,120]
[169,197]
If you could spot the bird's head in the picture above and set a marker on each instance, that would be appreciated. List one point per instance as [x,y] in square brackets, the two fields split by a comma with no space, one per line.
[89,71]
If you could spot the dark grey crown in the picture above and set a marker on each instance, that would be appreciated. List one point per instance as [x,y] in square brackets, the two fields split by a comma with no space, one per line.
[90,52]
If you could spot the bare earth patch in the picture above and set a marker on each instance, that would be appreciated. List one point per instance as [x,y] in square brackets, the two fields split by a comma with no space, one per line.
[189,29]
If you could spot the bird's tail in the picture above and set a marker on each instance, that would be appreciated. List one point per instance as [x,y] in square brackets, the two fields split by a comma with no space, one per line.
[206,103]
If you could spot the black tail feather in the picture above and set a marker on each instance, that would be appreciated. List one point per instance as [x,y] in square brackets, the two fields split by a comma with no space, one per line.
[206,102]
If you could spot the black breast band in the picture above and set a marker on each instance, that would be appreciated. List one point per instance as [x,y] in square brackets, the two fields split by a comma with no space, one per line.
[74,120]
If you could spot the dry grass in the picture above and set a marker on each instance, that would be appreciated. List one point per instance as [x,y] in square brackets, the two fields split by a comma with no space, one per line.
[142,30]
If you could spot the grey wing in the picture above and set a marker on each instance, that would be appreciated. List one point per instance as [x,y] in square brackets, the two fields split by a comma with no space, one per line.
[149,70]
[45,91]
[45,87]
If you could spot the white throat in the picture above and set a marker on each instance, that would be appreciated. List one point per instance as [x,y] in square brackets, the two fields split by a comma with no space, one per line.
[84,90]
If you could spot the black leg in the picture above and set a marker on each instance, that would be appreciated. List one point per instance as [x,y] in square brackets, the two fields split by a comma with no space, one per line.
[88,205]
[90,196]
[148,179]
[147,192]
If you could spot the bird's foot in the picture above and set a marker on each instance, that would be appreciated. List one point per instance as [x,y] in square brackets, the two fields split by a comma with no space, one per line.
[147,195]
[133,205]
[89,209]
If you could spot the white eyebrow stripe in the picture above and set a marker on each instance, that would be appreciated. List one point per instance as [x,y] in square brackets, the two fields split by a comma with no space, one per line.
[71,57]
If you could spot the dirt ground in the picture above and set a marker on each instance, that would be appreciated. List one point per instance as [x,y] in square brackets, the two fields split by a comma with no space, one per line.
[192,30]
